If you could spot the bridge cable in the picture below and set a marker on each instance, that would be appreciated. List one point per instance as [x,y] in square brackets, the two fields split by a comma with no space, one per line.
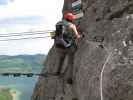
[23,38]
[14,35]
[45,31]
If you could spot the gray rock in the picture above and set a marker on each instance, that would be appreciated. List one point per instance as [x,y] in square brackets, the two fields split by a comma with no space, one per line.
[99,73]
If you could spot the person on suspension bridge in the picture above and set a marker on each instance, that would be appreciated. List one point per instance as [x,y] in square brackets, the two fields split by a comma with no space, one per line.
[66,38]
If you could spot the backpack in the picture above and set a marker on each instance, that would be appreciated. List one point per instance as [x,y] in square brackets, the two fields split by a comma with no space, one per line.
[59,37]
[59,28]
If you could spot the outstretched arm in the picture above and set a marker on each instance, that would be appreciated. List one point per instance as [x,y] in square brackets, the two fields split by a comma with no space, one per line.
[73,27]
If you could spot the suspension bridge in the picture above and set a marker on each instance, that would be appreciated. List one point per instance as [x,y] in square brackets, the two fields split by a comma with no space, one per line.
[27,74]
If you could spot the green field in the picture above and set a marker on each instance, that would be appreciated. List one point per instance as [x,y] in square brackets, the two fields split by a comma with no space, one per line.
[5,94]
[21,63]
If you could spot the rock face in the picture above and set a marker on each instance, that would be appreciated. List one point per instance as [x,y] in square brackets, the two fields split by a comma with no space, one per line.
[101,70]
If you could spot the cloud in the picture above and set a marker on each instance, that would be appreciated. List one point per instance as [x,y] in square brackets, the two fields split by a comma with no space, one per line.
[32,7]
[4,2]
[22,20]
[26,46]
[25,15]
[49,10]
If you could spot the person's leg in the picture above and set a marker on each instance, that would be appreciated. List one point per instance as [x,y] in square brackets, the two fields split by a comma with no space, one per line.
[70,65]
[60,59]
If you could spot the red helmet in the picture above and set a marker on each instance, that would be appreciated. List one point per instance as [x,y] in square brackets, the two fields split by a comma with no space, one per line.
[69,16]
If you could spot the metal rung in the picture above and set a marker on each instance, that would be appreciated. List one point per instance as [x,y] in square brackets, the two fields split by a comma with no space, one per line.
[76,3]
[72,1]
[77,7]
[79,15]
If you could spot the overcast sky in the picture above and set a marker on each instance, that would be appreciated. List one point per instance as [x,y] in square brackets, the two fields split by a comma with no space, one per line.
[28,15]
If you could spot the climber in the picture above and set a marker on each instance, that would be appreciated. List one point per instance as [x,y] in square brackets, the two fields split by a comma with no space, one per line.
[66,39]
[66,31]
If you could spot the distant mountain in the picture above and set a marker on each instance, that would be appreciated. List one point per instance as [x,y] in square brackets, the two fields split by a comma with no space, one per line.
[21,63]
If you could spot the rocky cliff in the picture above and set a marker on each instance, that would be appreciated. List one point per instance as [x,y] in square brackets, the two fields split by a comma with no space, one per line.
[101,70]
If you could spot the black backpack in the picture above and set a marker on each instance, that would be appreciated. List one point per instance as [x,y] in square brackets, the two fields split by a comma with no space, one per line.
[59,35]
[59,29]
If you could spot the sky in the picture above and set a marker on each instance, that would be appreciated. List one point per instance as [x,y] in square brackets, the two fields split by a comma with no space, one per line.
[28,15]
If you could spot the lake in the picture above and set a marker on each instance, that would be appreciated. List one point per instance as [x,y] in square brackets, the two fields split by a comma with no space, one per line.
[23,85]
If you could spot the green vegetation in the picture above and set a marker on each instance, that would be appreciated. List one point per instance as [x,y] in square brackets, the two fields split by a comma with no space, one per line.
[21,63]
[5,94]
